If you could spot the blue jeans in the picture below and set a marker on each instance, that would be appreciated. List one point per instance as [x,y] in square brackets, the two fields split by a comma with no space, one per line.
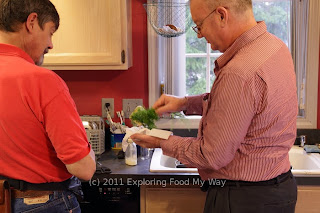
[59,202]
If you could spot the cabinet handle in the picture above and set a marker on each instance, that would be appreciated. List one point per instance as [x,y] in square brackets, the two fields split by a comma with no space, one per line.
[123,56]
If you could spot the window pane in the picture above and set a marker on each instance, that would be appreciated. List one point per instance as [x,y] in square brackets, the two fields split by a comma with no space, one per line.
[196,76]
[214,51]
[212,75]
[193,43]
[276,15]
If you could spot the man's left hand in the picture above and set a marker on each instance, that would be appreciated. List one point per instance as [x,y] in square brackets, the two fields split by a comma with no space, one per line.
[146,141]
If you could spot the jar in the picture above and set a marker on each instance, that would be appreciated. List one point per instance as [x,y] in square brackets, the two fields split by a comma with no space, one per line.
[131,153]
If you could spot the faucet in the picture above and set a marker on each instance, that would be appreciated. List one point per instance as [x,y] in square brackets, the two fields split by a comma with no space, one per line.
[302,139]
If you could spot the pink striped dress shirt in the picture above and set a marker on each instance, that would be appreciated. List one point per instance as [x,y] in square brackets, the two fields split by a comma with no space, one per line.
[248,120]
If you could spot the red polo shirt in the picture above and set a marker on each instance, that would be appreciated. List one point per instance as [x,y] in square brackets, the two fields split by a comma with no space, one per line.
[40,128]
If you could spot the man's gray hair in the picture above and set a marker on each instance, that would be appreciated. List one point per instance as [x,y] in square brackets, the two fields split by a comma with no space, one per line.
[15,12]
[239,6]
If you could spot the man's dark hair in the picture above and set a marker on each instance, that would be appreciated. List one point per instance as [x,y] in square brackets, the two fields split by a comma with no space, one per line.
[15,12]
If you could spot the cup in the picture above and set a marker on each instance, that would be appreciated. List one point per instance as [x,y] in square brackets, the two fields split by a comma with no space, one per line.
[145,153]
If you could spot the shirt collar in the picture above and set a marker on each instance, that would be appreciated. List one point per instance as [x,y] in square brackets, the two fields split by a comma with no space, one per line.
[10,50]
[240,42]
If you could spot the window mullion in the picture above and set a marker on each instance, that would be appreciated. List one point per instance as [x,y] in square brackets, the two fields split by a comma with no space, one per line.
[208,68]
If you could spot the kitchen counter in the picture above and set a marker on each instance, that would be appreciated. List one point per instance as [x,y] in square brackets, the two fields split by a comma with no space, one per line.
[141,171]
[119,191]
[137,175]
[126,188]
[130,188]
[124,174]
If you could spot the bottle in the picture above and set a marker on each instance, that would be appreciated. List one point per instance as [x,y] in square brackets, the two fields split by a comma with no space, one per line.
[131,153]
[162,87]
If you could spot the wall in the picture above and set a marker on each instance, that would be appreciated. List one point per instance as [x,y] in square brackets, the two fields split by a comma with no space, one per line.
[88,87]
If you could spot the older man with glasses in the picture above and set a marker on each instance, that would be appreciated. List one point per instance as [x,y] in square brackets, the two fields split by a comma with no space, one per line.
[248,120]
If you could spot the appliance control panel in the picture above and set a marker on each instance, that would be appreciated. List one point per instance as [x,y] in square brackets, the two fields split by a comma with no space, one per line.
[114,198]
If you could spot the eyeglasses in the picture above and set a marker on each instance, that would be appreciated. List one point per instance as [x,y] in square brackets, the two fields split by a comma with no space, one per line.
[197,27]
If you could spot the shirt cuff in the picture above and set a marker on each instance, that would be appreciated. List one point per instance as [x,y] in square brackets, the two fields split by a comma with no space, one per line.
[194,104]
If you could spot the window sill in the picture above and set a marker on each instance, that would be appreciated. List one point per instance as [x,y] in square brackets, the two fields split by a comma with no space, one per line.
[192,122]
[188,122]
[303,123]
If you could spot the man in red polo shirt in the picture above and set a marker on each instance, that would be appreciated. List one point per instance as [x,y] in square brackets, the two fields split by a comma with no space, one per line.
[43,144]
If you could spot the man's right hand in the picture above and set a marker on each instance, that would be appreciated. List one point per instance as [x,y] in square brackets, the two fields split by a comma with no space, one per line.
[169,103]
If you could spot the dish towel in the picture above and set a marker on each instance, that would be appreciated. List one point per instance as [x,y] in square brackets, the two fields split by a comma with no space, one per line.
[163,134]
[311,149]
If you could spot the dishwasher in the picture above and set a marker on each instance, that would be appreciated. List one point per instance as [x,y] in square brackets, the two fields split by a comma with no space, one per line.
[107,198]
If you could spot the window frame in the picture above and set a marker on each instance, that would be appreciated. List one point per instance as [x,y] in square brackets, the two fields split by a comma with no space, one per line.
[311,102]
[312,71]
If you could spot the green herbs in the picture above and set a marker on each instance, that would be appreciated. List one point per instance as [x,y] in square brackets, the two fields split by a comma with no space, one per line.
[145,117]
[177,115]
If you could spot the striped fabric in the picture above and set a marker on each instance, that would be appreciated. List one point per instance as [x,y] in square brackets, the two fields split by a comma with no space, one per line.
[248,120]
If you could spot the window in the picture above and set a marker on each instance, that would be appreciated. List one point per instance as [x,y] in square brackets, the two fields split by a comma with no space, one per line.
[200,58]
[186,63]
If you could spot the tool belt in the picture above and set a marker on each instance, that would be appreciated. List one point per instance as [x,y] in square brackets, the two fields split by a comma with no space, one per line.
[5,197]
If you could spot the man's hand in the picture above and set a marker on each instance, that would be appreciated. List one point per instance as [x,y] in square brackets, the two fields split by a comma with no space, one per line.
[169,103]
[146,141]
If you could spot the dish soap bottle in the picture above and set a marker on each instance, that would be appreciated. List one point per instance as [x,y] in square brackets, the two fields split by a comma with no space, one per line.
[131,153]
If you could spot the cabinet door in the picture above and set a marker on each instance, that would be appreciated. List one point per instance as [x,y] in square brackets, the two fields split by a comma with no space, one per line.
[308,199]
[92,35]
[177,200]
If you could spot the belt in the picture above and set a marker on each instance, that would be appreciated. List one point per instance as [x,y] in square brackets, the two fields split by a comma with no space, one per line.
[28,193]
[279,179]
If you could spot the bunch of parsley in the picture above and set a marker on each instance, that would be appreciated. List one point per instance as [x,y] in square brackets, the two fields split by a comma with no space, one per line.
[145,117]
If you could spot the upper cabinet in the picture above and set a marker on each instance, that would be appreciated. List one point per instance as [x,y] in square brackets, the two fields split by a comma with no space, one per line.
[93,35]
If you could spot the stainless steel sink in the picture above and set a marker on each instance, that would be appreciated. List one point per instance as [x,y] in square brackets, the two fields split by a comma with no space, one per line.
[303,164]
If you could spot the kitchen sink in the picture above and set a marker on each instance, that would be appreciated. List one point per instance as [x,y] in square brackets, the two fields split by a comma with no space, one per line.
[164,163]
[303,164]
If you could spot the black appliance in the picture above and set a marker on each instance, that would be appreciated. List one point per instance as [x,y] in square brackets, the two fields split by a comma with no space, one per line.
[107,198]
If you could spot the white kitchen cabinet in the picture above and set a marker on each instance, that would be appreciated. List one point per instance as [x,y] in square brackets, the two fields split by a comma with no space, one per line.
[93,35]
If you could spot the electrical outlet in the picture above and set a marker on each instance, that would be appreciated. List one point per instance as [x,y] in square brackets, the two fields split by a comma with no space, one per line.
[104,109]
[128,105]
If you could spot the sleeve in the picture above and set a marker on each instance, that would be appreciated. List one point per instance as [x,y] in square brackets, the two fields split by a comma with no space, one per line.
[224,125]
[65,129]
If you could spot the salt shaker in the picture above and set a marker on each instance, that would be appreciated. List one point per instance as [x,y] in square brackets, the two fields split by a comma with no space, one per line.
[131,153]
